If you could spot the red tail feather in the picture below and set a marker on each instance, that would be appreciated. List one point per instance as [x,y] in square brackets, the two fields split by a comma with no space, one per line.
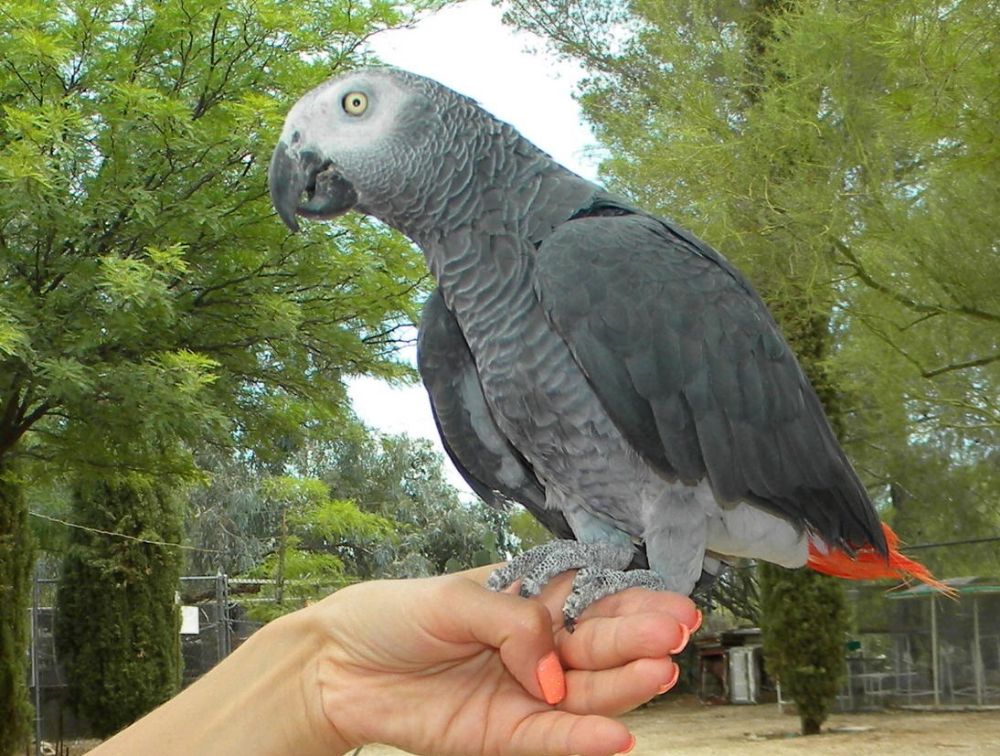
[867,564]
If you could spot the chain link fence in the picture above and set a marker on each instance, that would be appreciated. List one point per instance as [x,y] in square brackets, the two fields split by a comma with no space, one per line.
[217,616]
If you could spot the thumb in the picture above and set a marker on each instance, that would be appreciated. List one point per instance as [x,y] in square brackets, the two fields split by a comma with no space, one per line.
[520,629]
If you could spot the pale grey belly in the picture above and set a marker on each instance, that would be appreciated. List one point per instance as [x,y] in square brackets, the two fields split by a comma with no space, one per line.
[543,403]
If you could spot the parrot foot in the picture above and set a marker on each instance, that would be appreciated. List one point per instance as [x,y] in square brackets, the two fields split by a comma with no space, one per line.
[539,565]
[593,584]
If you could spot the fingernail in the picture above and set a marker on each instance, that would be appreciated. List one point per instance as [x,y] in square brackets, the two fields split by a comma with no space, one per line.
[671,682]
[685,637]
[551,679]
[628,749]
[697,622]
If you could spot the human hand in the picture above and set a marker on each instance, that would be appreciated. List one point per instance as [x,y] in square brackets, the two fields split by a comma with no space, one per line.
[442,666]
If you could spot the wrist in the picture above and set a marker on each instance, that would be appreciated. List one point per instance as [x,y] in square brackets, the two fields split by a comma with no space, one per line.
[345,705]
[263,699]
[308,637]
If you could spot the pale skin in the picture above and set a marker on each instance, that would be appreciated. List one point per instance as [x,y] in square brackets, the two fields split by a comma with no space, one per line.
[437,666]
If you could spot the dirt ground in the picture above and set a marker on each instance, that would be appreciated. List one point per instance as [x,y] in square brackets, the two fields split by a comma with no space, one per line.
[681,726]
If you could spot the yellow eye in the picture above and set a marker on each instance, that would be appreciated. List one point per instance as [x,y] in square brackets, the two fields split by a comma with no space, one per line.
[355,103]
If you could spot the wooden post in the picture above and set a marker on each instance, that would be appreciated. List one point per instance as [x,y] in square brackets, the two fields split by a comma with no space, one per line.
[934,652]
[977,653]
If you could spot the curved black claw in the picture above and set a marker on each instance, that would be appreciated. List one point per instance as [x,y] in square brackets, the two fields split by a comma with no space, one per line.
[591,585]
[597,561]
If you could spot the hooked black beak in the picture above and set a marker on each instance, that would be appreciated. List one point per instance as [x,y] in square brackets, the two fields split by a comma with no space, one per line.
[327,192]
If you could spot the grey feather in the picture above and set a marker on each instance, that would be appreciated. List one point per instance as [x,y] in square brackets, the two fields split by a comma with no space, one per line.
[490,465]
[698,334]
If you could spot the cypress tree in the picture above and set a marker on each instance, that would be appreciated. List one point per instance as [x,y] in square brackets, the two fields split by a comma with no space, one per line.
[803,619]
[118,622]
[16,559]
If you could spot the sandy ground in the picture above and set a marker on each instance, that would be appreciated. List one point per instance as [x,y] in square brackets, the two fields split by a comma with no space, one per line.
[682,726]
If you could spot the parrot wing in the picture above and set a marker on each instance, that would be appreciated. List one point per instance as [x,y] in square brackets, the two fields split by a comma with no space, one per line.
[693,370]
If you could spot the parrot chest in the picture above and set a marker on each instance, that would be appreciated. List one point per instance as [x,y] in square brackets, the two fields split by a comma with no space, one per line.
[540,398]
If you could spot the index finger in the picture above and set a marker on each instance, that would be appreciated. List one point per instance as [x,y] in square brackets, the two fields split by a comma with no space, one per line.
[611,642]
[645,601]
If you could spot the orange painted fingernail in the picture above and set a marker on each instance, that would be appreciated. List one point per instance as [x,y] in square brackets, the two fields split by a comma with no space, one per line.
[551,679]
[628,749]
[671,682]
[685,637]
[697,622]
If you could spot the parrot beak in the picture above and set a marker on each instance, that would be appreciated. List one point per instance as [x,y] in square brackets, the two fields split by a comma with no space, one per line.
[328,194]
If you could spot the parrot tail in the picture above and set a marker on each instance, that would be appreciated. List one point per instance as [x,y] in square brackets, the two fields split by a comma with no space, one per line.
[868,564]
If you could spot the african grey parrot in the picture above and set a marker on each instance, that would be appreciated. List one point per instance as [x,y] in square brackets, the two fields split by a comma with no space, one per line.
[606,369]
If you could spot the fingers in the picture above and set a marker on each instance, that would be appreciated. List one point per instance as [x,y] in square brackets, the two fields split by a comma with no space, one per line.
[520,630]
[641,601]
[607,642]
[614,691]
[557,732]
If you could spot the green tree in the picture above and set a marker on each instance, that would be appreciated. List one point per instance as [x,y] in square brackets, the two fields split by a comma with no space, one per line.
[802,617]
[117,619]
[16,558]
[355,506]
[228,520]
[147,291]
[312,529]
[402,478]
[143,269]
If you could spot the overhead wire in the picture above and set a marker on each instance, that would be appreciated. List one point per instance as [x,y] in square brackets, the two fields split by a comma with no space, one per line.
[124,536]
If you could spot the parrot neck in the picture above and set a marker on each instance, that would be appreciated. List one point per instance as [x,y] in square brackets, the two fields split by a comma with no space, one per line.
[500,184]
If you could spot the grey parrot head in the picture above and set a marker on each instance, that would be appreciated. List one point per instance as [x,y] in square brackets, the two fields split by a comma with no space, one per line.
[373,140]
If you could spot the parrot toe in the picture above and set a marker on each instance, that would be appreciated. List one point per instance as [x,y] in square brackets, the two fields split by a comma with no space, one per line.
[593,584]
[539,565]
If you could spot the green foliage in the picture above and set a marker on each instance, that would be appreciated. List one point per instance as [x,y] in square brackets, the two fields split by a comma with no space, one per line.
[147,288]
[319,518]
[402,479]
[16,559]
[229,522]
[379,504]
[117,620]
[358,507]
[942,501]
[803,619]
[528,531]
[301,578]
[313,529]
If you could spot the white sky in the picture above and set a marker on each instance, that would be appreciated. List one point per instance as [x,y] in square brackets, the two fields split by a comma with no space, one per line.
[510,74]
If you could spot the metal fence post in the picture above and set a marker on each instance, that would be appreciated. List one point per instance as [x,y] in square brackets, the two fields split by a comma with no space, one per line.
[223,632]
[935,661]
[36,677]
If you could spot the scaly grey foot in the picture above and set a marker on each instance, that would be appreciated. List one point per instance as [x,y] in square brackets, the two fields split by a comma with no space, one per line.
[539,565]
[593,584]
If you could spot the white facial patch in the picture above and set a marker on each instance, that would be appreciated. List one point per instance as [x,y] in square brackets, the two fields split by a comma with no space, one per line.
[319,121]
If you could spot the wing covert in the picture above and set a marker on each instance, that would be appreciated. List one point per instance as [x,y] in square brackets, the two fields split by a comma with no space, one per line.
[692,368]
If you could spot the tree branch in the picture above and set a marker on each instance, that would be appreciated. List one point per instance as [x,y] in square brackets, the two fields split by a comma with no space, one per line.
[960,366]
[912,304]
